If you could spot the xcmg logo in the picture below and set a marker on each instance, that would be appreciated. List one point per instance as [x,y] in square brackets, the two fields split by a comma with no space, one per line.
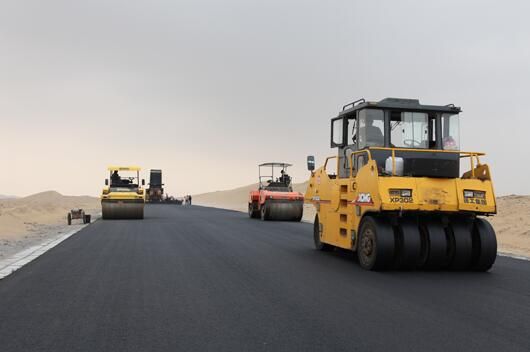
[363,199]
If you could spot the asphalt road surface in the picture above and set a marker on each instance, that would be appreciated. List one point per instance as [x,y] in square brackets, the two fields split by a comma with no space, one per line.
[202,279]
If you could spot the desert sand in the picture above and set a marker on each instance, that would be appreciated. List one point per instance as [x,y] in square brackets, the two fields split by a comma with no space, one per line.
[29,220]
[237,199]
[512,222]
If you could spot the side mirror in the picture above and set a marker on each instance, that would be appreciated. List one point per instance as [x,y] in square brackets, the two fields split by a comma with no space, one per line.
[311,163]
[143,182]
[106,182]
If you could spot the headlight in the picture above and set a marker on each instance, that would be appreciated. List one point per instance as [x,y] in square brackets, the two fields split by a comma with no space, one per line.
[406,193]
[400,192]
[480,194]
[468,194]
[474,194]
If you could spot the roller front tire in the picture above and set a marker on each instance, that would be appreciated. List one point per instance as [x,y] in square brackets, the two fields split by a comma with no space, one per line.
[376,246]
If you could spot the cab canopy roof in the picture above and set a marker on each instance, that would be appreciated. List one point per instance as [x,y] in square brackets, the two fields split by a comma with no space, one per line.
[398,104]
[276,164]
[124,168]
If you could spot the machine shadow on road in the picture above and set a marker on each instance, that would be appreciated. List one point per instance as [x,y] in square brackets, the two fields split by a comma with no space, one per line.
[350,259]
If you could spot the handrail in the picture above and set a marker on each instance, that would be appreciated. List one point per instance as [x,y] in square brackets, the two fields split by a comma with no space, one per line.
[466,154]
[471,155]
[326,162]
[355,152]
[352,104]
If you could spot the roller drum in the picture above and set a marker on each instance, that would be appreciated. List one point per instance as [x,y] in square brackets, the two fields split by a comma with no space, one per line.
[122,210]
[285,210]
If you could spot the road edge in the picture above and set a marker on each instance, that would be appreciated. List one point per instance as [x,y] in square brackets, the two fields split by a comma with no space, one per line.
[25,256]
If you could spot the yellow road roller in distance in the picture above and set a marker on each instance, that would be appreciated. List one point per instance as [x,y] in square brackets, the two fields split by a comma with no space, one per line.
[123,197]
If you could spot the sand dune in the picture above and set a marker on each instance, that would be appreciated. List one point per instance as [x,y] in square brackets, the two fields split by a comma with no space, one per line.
[28,220]
[235,199]
[22,215]
[512,223]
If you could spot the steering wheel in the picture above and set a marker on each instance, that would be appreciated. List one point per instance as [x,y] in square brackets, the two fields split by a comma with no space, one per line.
[411,143]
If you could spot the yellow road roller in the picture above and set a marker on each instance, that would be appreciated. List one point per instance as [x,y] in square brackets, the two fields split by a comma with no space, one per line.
[123,196]
[395,193]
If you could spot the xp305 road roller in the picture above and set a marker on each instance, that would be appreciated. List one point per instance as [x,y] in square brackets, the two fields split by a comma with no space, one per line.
[123,197]
[395,194]
[274,199]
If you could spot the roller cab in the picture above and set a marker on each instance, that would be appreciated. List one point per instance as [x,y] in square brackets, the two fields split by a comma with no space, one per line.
[400,192]
[123,196]
[275,199]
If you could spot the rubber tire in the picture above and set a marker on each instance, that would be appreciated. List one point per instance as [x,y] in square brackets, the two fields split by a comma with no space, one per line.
[265,212]
[484,245]
[381,244]
[408,246]
[69,218]
[462,244]
[316,237]
[436,246]
[252,213]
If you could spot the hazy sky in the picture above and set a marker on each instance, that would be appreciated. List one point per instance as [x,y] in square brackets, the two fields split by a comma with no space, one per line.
[205,90]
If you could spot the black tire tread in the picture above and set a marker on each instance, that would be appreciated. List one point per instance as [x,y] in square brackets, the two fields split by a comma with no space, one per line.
[484,246]
[462,242]
[385,243]
[408,247]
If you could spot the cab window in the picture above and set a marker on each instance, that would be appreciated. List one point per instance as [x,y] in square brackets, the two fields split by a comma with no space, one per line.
[371,128]
[352,131]
[450,132]
[411,130]
[337,132]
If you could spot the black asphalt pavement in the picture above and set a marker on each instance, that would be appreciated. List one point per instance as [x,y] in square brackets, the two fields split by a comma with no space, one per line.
[203,279]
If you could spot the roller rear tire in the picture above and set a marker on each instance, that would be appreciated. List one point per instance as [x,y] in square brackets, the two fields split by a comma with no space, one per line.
[252,212]
[316,237]
[265,216]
